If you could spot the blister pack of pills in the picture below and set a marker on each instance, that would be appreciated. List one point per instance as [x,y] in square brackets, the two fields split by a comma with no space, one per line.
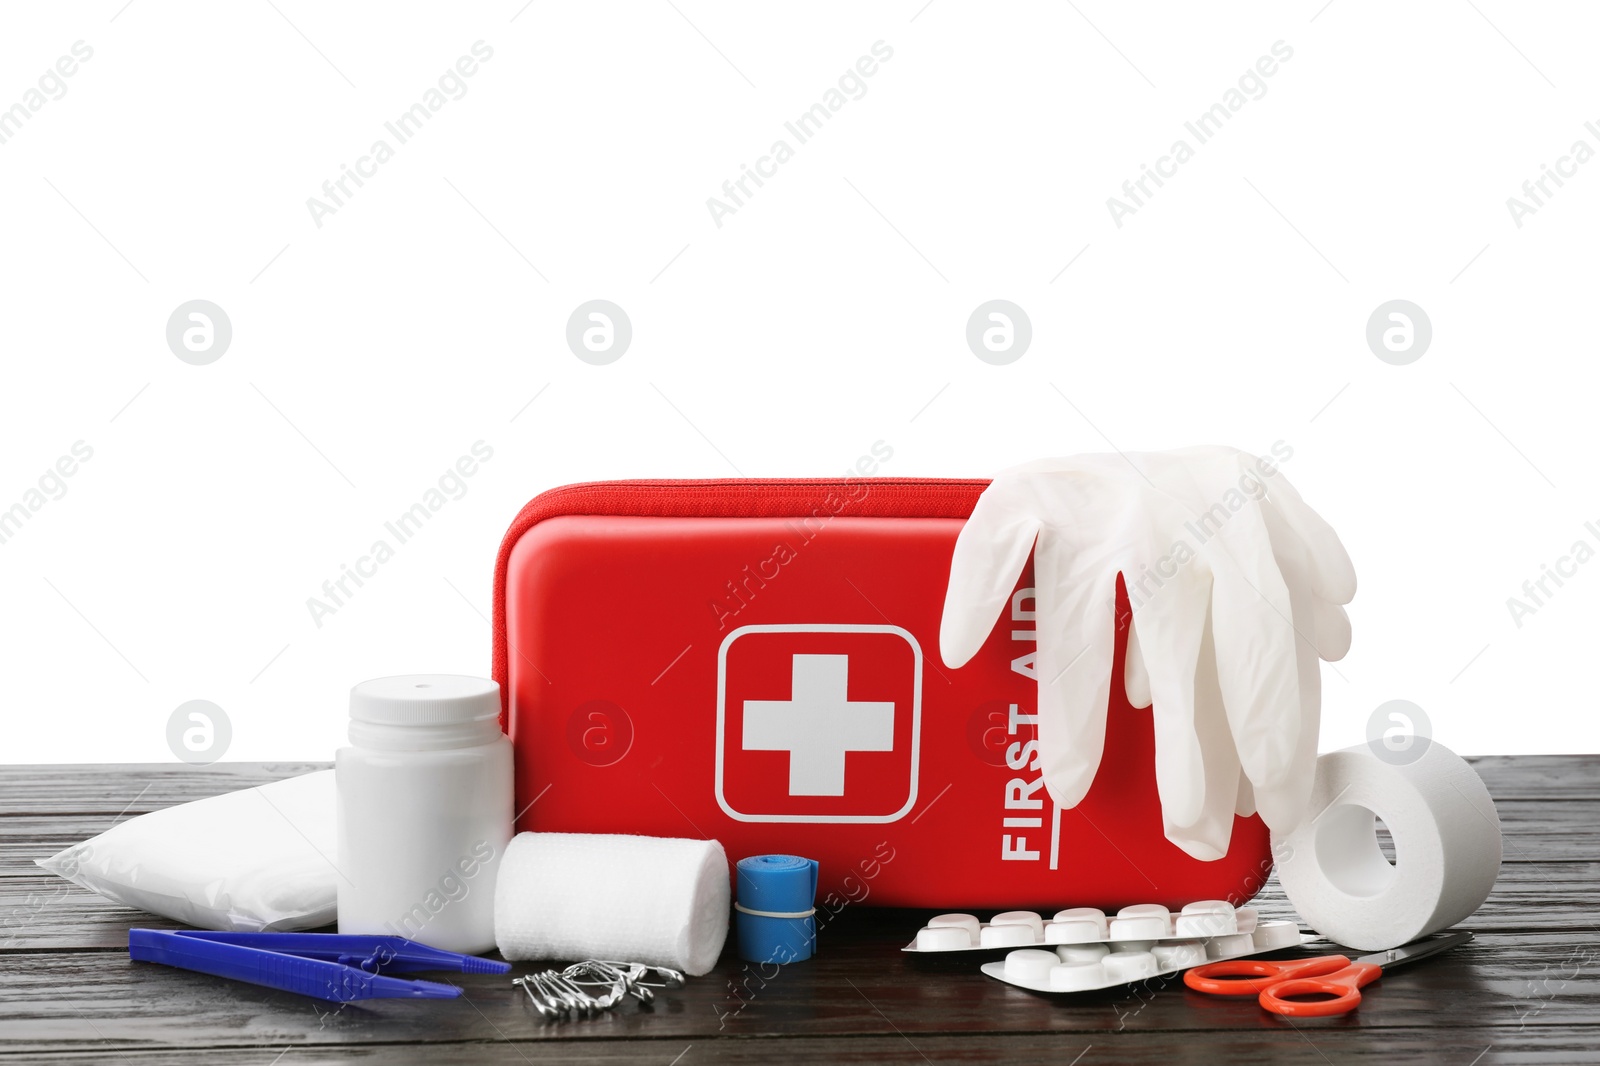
[1082,948]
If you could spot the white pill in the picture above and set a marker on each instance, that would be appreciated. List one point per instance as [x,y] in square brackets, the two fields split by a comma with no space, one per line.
[1027,918]
[1077,976]
[943,938]
[1006,936]
[1129,965]
[1179,954]
[1082,952]
[969,922]
[1084,914]
[1245,917]
[1031,965]
[1205,924]
[1208,906]
[1145,910]
[1270,935]
[1237,944]
[1073,932]
[1132,945]
[1140,927]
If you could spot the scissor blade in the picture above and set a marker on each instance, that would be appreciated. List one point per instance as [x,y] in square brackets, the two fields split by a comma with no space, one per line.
[1417,949]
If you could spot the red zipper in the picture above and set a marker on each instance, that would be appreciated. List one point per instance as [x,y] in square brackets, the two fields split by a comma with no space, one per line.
[886,497]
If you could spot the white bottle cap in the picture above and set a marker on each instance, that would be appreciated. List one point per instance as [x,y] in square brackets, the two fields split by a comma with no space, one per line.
[425,699]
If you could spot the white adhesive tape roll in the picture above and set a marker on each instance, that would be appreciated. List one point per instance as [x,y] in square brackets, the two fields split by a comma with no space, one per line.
[1446,844]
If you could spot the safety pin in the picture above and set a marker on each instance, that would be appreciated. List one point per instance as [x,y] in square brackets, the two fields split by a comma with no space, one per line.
[670,978]
[549,1012]
[558,994]
[623,981]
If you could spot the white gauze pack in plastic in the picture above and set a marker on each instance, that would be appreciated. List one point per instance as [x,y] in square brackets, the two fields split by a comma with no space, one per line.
[574,896]
[256,859]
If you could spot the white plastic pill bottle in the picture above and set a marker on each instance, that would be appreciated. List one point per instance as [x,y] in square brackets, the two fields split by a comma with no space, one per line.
[424,810]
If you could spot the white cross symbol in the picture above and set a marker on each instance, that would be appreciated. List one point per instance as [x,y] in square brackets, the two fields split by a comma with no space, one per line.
[818,725]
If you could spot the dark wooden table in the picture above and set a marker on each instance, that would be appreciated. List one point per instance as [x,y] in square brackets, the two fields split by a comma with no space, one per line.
[1523,992]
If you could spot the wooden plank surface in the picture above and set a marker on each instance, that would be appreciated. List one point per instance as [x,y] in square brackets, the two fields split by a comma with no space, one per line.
[858,988]
[1523,992]
[1458,1045]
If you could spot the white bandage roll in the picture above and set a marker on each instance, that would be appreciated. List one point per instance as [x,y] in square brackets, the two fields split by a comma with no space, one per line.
[1446,837]
[574,896]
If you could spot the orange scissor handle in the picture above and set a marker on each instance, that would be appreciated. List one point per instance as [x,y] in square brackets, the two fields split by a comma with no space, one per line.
[1250,977]
[1344,987]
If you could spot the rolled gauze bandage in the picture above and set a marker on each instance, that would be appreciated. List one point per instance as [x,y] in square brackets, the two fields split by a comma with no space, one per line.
[776,908]
[574,896]
[1446,847]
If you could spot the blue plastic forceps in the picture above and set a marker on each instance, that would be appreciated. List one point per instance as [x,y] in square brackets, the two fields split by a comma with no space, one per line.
[328,966]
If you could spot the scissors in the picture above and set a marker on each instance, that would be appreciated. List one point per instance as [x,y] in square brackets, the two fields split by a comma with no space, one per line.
[1278,984]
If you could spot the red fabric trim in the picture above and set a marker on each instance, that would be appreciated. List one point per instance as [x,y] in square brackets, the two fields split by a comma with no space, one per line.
[724,498]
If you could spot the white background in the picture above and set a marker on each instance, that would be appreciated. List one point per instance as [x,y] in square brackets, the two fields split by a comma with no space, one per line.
[828,313]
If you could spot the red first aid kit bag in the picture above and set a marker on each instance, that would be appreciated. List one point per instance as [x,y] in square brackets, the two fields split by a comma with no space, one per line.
[757,661]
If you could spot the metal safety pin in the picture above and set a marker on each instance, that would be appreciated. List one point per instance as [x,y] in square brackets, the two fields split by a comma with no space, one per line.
[670,978]
[556,994]
[629,981]
[545,1009]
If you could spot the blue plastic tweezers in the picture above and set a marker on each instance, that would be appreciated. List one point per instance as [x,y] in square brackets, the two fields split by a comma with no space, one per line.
[328,966]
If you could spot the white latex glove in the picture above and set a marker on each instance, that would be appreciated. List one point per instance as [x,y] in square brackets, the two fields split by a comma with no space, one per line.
[1231,613]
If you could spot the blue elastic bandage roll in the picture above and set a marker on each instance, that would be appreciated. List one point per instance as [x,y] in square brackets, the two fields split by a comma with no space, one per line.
[775,908]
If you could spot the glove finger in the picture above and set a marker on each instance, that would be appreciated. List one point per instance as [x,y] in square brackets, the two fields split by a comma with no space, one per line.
[1252,625]
[1075,598]
[1331,625]
[1135,678]
[1245,805]
[1170,626]
[990,554]
[1207,837]
[1282,805]
[1332,575]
